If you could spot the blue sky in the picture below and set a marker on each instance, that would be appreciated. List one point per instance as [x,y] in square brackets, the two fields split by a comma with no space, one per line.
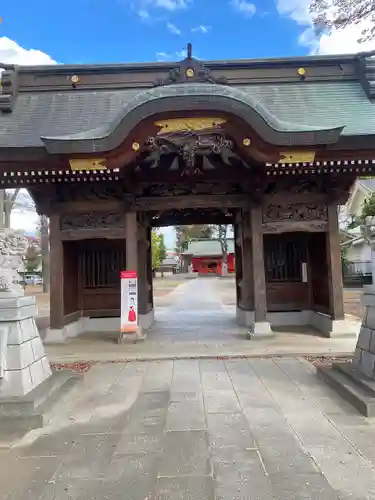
[89,31]
[104,31]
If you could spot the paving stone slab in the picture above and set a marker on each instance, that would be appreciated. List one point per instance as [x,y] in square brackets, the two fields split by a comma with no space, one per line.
[285,456]
[89,458]
[188,395]
[139,443]
[302,486]
[221,401]
[74,489]
[26,479]
[133,468]
[186,415]
[229,430]
[240,475]
[46,445]
[185,488]
[139,423]
[185,453]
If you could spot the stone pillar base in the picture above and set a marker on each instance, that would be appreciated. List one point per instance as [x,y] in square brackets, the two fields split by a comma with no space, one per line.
[322,322]
[25,363]
[333,328]
[260,330]
[111,326]
[147,320]
[244,317]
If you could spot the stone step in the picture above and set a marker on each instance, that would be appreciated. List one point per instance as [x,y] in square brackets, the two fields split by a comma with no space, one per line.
[366,383]
[27,412]
[348,388]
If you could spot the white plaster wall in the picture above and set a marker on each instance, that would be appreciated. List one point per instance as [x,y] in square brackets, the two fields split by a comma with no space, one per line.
[359,253]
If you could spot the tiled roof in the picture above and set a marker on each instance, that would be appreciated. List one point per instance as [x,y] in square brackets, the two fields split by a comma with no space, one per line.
[311,105]
[367,183]
[201,248]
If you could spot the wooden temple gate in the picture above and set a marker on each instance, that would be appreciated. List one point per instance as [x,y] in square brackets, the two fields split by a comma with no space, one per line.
[189,147]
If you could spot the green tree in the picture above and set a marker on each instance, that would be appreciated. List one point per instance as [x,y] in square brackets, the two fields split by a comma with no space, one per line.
[162,252]
[32,259]
[368,209]
[155,249]
[184,234]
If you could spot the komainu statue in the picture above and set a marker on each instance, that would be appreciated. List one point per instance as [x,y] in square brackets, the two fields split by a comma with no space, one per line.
[13,246]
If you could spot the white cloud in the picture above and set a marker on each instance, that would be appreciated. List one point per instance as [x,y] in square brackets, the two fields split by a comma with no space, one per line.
[162,56]
[143,7]
[247,8]
[345,41]
[171,56]
[181,53]
[173,29]
[338,42]
[12,53]
[201,29]
[171,4]
[143,14]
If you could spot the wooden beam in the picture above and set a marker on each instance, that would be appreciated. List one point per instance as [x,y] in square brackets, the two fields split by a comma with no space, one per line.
[196,219]
[88,234]
[192,201]
[295,226]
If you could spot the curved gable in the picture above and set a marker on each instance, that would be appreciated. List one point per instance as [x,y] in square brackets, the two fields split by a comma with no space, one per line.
[189,96]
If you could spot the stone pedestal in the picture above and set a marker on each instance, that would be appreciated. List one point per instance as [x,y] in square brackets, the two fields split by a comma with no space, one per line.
[356,381]
[25,365]
[364,358]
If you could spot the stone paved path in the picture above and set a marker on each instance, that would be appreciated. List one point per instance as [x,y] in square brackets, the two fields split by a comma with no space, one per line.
[196,430]
[194,321]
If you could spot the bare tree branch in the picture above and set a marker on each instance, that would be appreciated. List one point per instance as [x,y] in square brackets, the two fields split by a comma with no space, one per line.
[329,15]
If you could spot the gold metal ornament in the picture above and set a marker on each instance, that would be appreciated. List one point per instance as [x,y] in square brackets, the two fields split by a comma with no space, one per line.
[301,71]
[136,146]
[297,156]
[78,164]
[75,79]
[188,124]
[190,73]
[246,142]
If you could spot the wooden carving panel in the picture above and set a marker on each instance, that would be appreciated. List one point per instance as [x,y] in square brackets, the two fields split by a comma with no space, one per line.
[90,192]
[304,226]
[92,221]
[296,212]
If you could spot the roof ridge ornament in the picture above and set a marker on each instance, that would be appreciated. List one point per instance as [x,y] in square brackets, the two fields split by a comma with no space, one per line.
[9,86]
[190,70]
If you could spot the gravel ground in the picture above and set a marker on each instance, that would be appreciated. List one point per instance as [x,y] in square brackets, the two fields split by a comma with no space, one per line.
[328,360]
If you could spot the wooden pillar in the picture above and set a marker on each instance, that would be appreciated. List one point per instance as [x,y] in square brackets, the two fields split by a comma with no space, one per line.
[150,277]
[56,274]
[131,237]
[247,282]
[335,285]
[142,269]
[238,257]
[259,279]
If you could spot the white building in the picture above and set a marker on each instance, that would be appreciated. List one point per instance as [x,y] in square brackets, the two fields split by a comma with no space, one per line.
[358,250]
